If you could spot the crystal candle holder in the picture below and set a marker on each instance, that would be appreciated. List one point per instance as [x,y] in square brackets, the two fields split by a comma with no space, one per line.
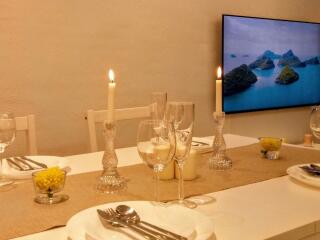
[219,160]
[110,181]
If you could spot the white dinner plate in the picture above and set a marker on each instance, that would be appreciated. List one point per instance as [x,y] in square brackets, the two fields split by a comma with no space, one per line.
[297,173]
[86,224]
[50,161]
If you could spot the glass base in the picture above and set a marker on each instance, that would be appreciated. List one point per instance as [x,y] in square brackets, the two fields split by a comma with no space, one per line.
[56,198]
[271,155]
[201,199]
[5,182]
[219,163]
[160,204]
[184,203]
[111,184]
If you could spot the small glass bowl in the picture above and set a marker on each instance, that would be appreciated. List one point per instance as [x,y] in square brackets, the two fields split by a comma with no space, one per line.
[270,147]
[47,183]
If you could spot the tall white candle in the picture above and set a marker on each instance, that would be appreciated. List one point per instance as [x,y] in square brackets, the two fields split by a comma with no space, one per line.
[111,92]
[219,91]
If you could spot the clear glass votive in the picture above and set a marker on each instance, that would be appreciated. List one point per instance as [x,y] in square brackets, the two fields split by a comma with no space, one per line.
[47,183]
[270,147]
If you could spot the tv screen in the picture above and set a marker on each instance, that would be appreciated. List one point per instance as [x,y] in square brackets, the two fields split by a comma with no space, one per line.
[269,64]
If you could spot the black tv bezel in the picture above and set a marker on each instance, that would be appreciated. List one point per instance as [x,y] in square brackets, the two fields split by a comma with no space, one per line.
[222,42]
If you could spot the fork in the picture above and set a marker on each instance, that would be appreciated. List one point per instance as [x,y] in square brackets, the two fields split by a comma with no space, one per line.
[25,163]
[115,221]
[158,235]
[12,162]
[34,162]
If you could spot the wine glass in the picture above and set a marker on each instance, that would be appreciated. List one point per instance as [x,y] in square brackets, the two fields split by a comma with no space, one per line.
[156,147]
[7,136]
[315,122]
[181,115]
[158,103]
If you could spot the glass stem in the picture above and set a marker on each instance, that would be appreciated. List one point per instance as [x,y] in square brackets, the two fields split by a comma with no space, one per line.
[181,182]
[109,160]
[50,194]
[2,148]
[156,185]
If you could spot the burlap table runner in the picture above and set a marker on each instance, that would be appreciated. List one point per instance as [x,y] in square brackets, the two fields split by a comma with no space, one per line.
[20,215]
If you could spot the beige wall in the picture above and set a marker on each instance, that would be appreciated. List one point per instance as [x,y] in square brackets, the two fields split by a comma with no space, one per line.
[54,57]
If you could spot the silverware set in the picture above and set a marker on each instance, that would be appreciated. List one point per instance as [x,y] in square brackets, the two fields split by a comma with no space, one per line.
[25,164]
[125,216]
[311,169]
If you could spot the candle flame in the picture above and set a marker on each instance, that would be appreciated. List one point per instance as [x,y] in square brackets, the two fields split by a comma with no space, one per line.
[219,72]
[111,75]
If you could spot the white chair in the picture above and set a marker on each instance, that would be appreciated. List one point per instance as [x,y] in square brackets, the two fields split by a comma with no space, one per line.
[99,116]
[27,124]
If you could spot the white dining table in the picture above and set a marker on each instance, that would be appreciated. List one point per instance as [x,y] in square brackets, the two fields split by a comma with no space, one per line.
[277,209]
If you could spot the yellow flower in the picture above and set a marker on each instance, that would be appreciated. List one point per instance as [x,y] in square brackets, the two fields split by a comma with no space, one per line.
[49,180]
[270,144]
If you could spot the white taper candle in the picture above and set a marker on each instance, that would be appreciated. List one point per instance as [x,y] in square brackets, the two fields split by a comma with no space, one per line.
[219,91]
[111,93]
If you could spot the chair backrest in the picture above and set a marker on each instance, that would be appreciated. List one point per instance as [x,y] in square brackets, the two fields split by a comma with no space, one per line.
[99,116]
[27,124]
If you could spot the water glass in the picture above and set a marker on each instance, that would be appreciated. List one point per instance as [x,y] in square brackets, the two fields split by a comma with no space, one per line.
[181,115]
[7,130]
[156,147]
[7,136]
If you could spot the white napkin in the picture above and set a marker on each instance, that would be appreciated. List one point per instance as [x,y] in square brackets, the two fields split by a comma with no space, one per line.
[207,144]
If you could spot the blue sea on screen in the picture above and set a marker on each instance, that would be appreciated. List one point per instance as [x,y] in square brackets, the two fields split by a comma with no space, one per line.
[266,93]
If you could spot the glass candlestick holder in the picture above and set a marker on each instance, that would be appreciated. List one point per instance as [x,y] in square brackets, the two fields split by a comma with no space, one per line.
[110,181]
[219,160]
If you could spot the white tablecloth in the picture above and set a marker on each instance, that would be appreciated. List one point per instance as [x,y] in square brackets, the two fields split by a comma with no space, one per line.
[278,208]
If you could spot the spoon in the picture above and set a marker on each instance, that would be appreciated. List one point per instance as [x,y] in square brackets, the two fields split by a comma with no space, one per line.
[131,215]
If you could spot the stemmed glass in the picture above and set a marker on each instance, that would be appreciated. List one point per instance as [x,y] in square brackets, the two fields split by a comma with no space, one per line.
[181,114]
[156,147]
[7,136]
[158,103]
[315,122]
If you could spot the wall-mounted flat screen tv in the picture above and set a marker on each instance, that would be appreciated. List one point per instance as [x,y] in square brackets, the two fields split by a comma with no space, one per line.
[269,64]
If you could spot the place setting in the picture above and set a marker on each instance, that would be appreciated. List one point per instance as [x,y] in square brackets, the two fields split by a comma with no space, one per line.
[21,167]
[139,220]
[306,173]
[309,173]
